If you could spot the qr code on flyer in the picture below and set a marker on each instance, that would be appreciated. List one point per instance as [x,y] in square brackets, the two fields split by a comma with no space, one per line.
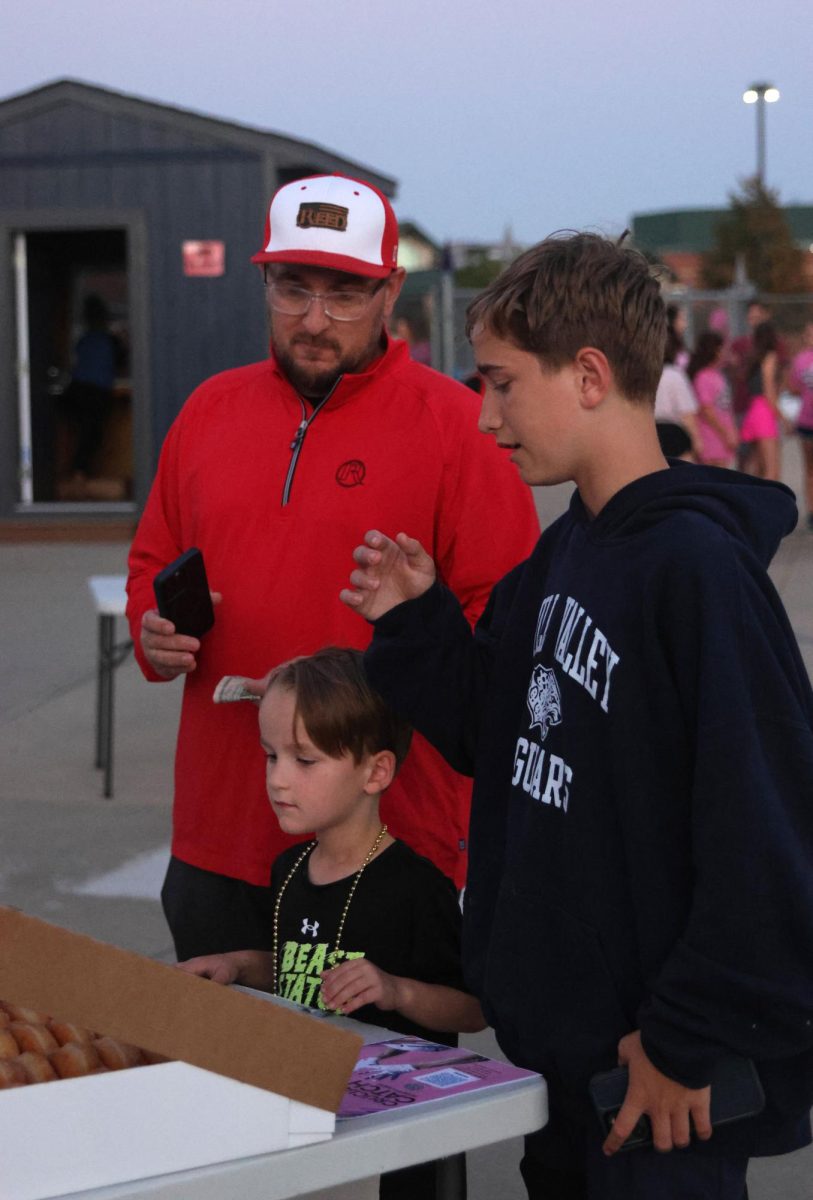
[447,1078]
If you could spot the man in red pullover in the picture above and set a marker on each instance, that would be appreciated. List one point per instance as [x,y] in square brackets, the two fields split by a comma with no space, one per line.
[271,470]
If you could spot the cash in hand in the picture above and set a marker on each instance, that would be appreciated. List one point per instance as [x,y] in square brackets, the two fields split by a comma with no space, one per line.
[232,688]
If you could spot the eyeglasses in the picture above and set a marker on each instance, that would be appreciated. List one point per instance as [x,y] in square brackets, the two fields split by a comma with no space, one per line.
[294,301]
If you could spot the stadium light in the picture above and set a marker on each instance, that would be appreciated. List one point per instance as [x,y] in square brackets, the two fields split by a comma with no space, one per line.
[761,94]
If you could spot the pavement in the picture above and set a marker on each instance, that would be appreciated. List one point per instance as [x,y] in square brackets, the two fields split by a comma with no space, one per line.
[95,865]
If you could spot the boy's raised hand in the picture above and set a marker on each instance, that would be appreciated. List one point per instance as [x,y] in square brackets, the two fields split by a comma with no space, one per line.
[387,573]
[667,1103]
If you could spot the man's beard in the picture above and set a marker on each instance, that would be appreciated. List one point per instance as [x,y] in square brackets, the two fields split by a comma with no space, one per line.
[312,381]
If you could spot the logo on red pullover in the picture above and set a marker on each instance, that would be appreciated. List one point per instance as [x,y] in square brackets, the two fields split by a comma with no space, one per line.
[351,473]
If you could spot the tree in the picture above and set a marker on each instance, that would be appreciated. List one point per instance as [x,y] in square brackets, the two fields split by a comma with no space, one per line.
[478,273]
[756,229]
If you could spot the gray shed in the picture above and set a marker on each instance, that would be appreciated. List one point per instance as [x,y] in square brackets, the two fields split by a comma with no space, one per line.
[126,229]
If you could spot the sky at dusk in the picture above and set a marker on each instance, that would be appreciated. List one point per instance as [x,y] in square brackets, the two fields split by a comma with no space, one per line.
[536,115]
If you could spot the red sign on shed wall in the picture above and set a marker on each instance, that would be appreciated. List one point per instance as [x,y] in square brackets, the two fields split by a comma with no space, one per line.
[204,258]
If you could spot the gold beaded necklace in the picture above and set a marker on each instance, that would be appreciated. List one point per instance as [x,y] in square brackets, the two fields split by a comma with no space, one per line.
[308,850]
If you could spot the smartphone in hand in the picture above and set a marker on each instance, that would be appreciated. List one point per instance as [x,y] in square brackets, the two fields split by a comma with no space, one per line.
[736,1093]
[182,594]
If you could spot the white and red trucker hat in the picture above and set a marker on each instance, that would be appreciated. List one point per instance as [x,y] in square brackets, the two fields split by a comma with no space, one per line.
[331,221]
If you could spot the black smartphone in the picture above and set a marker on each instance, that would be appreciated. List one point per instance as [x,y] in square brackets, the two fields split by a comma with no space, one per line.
[182,594]
[736,1092]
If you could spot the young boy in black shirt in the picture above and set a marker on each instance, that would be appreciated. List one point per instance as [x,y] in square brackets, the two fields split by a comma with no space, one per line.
[361,924]
[639,724]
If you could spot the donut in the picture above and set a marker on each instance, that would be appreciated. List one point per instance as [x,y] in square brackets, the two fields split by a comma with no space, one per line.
[18,1013]
[118,1055]
[74,1059]
[65,1032]
[36,1066]
[33,1037]
[7,1045]
[11,1074]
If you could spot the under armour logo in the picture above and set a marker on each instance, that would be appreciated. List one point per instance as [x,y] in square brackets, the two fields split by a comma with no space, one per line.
[311,929]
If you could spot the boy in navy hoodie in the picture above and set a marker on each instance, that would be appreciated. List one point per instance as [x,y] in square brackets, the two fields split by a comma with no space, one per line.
[639,724]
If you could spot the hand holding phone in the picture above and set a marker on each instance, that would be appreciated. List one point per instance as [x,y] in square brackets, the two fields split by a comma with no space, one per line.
[736,1093]
[169,651]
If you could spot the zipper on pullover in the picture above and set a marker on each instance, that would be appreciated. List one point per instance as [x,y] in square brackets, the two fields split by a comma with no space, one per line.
[299,438]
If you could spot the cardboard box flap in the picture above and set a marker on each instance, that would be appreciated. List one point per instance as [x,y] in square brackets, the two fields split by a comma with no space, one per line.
[160,1008]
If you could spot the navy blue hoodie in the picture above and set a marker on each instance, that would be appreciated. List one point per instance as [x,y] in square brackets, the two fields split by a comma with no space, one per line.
[639,723]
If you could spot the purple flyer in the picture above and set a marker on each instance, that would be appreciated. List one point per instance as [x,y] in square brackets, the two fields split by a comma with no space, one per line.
[408,1070]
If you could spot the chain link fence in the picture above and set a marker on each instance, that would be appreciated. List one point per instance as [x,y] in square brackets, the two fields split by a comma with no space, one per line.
[726,312]
[431,314]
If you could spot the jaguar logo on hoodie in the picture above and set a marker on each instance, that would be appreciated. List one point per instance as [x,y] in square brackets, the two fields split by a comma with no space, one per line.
[544,701]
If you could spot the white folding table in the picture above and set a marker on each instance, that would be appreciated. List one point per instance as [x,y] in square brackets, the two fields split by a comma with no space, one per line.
[347,1167]
[350,1163]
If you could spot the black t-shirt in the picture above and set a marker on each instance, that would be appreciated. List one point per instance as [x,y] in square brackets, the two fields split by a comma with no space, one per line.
[404,917]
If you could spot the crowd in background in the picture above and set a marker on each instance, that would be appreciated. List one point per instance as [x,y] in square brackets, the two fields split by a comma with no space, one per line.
[718,401]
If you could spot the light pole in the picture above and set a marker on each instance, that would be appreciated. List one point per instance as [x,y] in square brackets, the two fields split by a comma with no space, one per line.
[761,94]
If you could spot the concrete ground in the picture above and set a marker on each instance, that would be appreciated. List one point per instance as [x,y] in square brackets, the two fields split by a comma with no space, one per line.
[95,865]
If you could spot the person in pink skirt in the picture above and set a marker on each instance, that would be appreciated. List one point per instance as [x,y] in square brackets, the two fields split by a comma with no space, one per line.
[718,434]
[801,383]
[762,422]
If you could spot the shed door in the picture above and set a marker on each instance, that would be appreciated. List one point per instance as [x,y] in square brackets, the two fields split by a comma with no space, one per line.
[74,391]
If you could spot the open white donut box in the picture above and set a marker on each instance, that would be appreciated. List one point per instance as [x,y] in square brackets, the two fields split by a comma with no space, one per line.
[251,1077]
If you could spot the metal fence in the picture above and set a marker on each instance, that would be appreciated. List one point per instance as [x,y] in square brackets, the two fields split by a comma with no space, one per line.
[726,311]
[434,309]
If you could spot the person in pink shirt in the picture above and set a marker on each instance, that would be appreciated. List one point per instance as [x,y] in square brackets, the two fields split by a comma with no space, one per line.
[801,383]
[763,422]
[718,434]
